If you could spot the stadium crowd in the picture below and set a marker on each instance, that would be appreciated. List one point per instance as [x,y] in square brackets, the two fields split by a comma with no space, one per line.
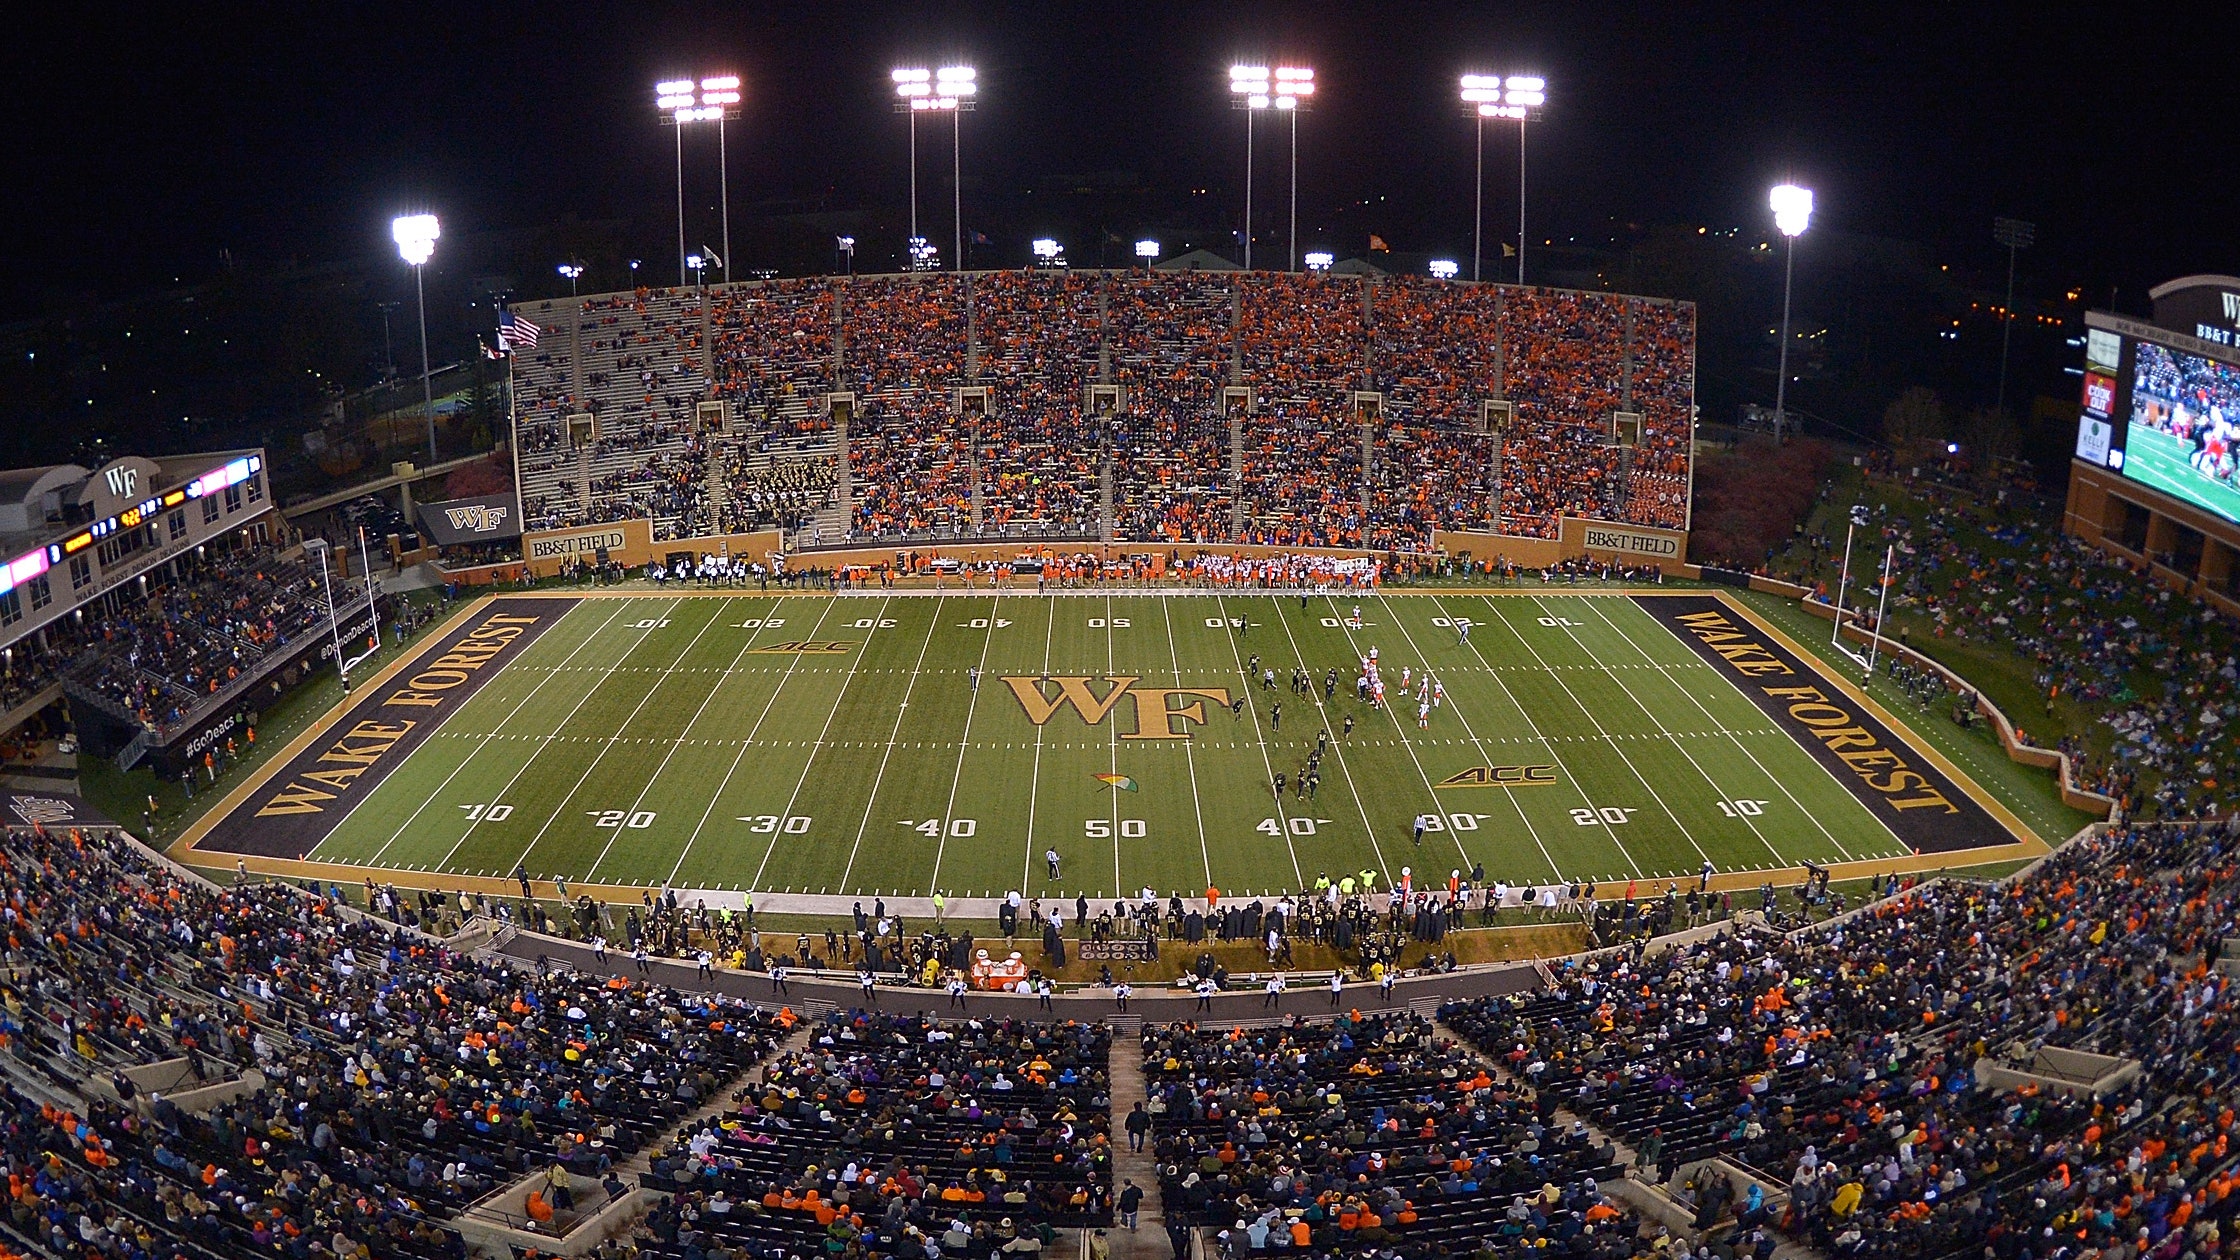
[190,636]
[1838,1062]
[1034,460]
[1370,1135]
[903,1135]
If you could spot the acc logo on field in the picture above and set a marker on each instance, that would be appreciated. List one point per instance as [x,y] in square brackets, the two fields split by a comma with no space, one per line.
[1500,776]
[805,645]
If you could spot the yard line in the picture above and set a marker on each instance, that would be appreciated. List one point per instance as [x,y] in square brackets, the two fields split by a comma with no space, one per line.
[1554,868]
[1283,819]
[1034,780]
[650,625]
[1547,744]
[744,745]
[1337,746]
[1189,756]
[375,860]
[611,740]
[674,744]
[1112,737]
[1618,678]
[1599,730]
[933,626]
[1744,749]
[964,742]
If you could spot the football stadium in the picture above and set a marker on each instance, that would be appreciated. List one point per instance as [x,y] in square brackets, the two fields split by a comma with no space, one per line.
[977,755]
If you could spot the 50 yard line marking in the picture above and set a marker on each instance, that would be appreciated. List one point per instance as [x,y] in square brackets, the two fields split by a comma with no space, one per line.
[811,763]
[1189,756]
[523,703]
[941,847]
[933,627]
[717,798]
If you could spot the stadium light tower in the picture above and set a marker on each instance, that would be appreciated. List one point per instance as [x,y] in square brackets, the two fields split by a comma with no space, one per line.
[2017,235]
[1792,213]
[1148,250]
[573,271]
[1286,89]
[1519,96]
[686,101]
[415,235]
[951,90]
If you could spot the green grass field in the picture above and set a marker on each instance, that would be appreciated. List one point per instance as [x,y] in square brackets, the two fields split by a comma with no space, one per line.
[660,740]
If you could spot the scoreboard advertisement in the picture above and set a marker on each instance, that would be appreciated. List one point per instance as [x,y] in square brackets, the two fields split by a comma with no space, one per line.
[2163,415]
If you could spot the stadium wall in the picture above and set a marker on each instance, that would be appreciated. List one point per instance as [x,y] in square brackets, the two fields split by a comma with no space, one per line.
[630,543]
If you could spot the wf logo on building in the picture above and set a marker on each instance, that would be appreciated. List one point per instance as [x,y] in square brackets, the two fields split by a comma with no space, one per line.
[478,518]
[1153,713]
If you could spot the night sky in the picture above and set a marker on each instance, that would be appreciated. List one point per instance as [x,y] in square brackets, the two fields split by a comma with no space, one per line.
[148,138]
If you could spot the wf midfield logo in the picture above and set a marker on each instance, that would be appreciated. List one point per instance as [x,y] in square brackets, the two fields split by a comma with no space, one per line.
[478,518]
[1152,707]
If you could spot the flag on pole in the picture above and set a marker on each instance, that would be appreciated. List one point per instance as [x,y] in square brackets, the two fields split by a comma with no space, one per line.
[515,332]
[1118,782]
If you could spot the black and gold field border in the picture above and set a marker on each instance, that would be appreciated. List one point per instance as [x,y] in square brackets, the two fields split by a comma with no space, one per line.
[1925,800]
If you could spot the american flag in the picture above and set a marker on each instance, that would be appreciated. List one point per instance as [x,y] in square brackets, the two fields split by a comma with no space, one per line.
[516,333]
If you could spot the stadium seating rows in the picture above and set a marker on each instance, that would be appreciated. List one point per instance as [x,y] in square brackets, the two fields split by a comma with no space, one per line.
[1839,1061]
[1037,462]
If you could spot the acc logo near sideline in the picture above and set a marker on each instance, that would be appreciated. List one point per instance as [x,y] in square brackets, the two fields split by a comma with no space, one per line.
[803,645]
[1500,776]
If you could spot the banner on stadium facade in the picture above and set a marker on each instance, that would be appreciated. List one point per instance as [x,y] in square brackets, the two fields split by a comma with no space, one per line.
[1635,543]
[48,809]
[482,518]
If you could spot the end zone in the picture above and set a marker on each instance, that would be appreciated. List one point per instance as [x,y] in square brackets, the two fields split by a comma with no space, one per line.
[1927,802]
[290,807]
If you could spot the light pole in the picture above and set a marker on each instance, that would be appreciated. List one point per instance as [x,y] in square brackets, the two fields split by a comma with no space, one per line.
[951,90]
[1288,89]
[415,235]
[2017,235]
[846,247]
[1792,213]
[573,271]
[1519,96]
[685,101]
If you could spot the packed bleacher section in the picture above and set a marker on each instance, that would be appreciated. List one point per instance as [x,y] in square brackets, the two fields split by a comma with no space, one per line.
[160,657]
[1038,462]
[401,1081]
[1839,1061]
[1369,1135]
[890,1132]
[2156,670]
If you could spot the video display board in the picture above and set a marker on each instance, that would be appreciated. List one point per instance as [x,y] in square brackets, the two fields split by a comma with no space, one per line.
[2165,418]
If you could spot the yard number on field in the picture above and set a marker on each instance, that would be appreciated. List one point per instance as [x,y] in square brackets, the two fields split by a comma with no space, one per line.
[874,623]
[1607,816]
[959,828]
[1299,826]
[759,623]
[1558,621]
[765,824]
[488,813]
[982,623]
[637,820]
[1743,808]
[650,623]
[1101,828]
[1116,623]
[1458,822]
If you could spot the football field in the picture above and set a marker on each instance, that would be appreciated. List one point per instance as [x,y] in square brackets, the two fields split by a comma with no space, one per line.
[912,742]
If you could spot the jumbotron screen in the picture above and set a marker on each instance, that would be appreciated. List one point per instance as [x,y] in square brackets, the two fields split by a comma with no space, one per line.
[2165,418]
